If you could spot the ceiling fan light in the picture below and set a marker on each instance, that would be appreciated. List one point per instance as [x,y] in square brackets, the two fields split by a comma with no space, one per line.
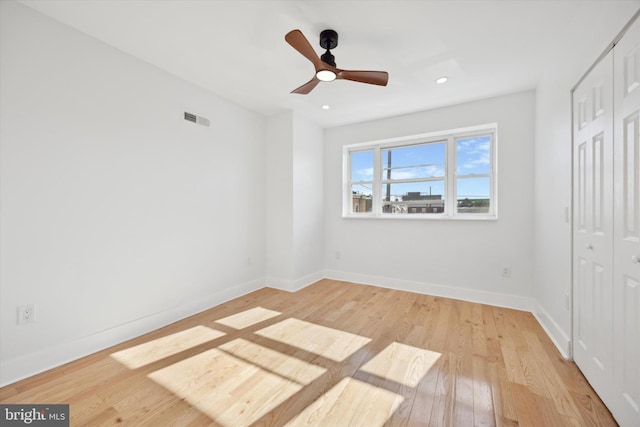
[326,75]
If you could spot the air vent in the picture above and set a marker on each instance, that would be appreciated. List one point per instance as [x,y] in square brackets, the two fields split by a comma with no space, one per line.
[196,119]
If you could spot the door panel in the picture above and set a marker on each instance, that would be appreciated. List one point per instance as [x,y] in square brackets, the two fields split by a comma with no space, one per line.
[629,197]
[593,229]
[583,304]
[598,183]
[625,404]
[630,368]
[606,228]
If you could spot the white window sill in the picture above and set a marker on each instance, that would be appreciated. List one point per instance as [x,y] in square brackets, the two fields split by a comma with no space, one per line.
[423,217]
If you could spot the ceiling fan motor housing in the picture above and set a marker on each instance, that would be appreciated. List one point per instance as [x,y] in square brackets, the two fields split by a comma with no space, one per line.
[328,40]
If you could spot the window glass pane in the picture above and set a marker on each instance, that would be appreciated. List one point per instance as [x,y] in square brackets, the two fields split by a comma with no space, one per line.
[473,195]
[413,197]
[473,155]
[413,162]
[362,166]
[361,198]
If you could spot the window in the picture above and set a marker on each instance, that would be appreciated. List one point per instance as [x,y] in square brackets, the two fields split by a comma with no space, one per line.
[445,175]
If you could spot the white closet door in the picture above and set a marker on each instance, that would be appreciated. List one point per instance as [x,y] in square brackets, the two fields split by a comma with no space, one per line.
[593,227]
[626,343]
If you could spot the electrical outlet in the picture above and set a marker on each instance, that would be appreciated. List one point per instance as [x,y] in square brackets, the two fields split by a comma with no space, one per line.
[337,254]
[26,314]
[506,271]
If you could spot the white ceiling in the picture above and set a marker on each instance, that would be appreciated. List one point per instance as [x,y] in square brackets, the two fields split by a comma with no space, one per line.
[236,49]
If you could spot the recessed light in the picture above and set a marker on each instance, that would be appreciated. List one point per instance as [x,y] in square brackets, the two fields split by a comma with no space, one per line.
[442,79]
[326,107]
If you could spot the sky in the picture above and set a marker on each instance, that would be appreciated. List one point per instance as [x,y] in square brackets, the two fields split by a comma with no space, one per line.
[428,161]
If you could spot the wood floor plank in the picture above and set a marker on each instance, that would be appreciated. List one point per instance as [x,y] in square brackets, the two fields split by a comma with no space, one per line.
[423,398]
[504,408]
[525,405]
[334,353]
[444,396]
[463,402]
[483,407]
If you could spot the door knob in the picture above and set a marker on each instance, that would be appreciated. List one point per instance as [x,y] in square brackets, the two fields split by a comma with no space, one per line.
[636,259]
[588,246]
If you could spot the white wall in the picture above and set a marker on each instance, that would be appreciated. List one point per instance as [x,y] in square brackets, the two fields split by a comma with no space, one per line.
[308,201]
[552,203]
[455,258]
[279,199]
[295,210]
[117,216]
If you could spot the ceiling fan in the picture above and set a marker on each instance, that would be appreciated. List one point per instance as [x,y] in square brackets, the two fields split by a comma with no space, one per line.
[325,65]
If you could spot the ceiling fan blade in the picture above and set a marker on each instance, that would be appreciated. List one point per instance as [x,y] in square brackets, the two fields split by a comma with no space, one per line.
[299,42]
[307,87]
[379,78]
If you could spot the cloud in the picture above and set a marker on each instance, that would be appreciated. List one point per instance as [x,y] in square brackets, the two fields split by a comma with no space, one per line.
[365,174]
[483,160]
[418,172]
[474,152]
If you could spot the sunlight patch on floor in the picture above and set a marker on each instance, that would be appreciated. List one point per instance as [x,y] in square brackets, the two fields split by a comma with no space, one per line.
[228,389]
[169,345]
[273,361]
[248,318]
[402,363]
[350,403]
[331,343]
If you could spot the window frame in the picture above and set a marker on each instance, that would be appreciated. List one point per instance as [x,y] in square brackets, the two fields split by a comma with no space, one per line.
[450,138]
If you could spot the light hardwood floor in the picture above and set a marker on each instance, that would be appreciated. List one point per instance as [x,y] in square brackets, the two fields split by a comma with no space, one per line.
[333,354]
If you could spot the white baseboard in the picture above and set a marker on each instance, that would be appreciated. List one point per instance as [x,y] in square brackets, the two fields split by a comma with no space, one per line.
[558,336]
[47,358]
[296,284]
[492,298]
